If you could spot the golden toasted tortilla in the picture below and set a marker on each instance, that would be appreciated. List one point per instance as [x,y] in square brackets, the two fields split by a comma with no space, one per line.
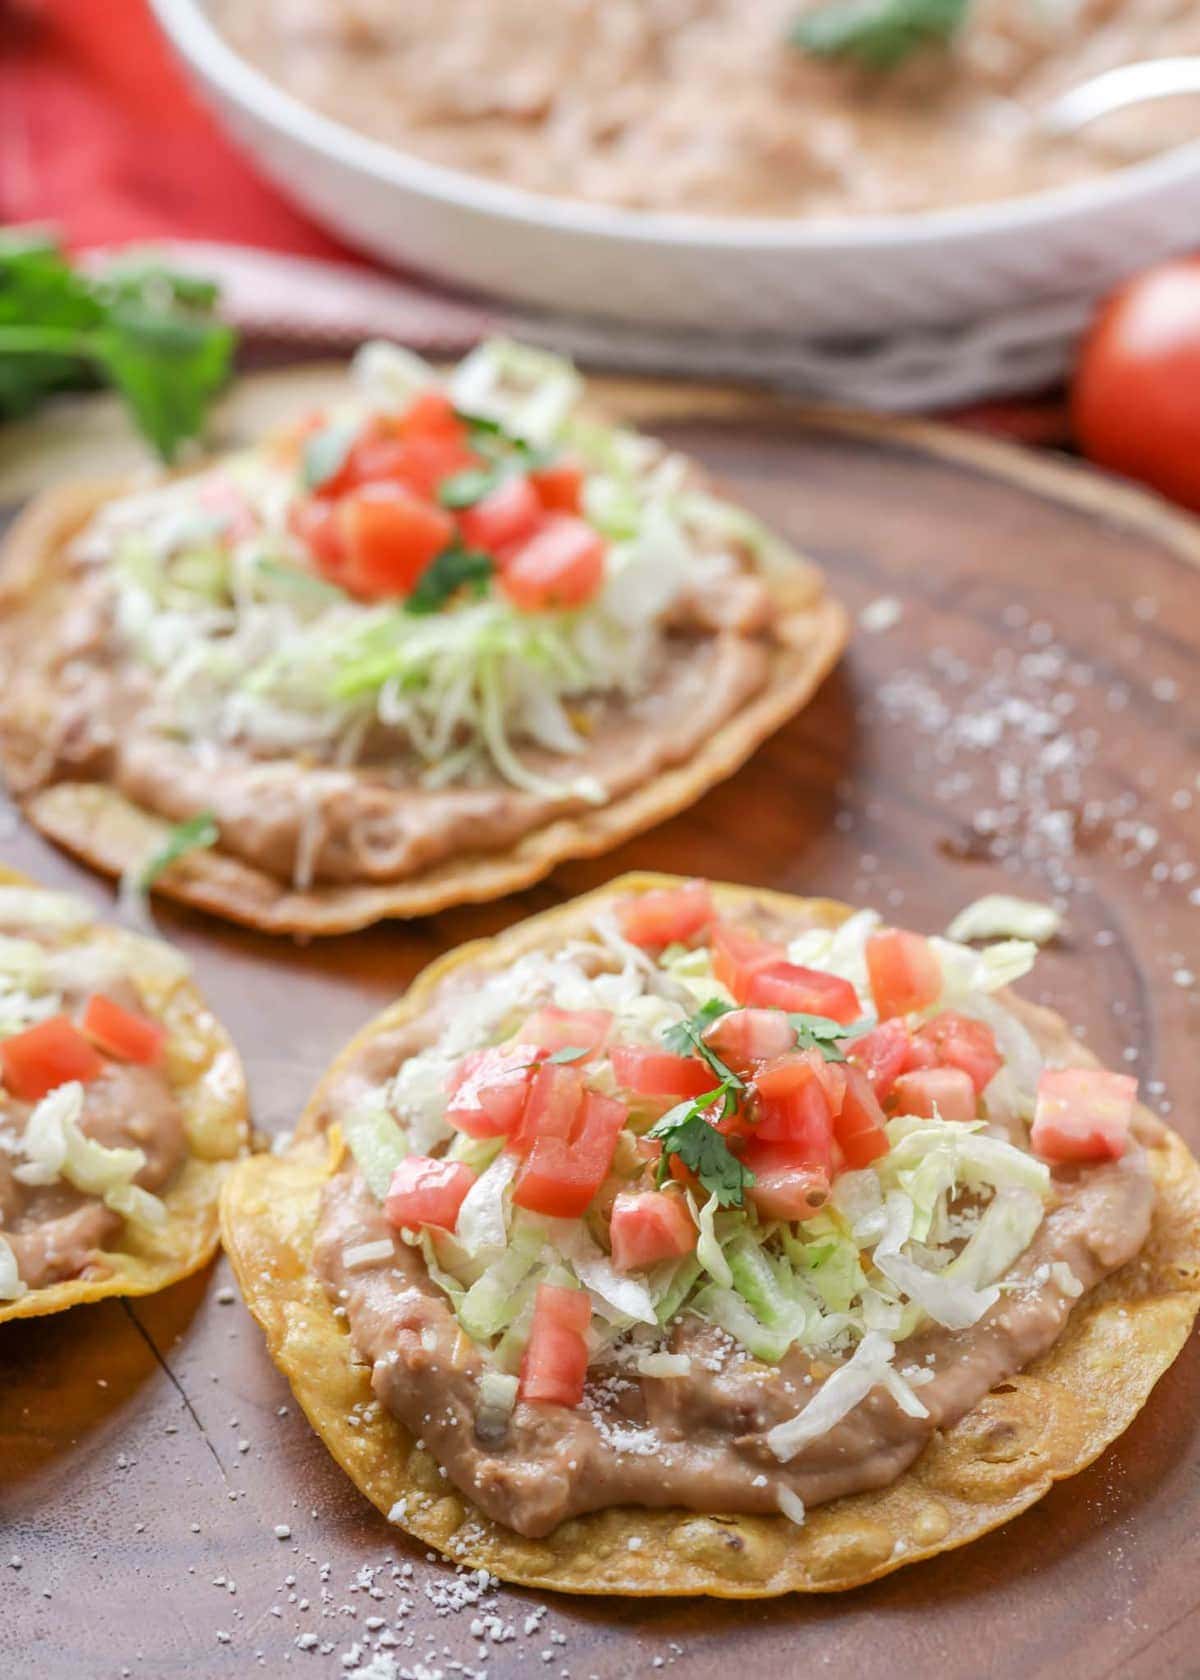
[206,1077]
[111,833]
[1045,1423]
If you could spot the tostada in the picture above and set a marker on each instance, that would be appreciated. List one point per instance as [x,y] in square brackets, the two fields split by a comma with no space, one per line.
[122,1103]
[409,651]
[690,1238]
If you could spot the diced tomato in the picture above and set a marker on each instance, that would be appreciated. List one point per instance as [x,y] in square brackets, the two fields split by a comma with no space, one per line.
[883,1055]
[429,461]
[1082,1114]
[791,1102]
[784,1187]
[391,535]
[508,514]
[431,414]
[961,1041]
[657,1073]
[563,1171]
[552,1108]
[554,1365]
[904,970]
[46,1056]
[567,1029]
[786,985]
[316,524]
[744,1038]
[561,565]
[649,1226]
[738,954]
[922,1053]
[125,1034]
[947,1090]
[425,1191]
[489,1089]
[858,1126]
[667,915]
[559,486]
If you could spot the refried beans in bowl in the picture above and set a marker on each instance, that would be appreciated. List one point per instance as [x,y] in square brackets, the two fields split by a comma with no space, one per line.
[706,106]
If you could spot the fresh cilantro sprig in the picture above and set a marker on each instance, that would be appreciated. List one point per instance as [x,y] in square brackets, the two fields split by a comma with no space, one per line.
[686,1038]
[150,333]
[453,569]
[818,1032]
[687,1135]
[878,34]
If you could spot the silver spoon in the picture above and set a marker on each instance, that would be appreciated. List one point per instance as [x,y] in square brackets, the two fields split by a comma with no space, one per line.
[1114,90]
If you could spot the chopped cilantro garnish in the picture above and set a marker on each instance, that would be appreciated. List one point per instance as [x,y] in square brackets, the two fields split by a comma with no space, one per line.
[688,1136]
[569,1053]
[818,1032]
[686,1038]
[878,34]
[454,568]
[197,834]
[464,489]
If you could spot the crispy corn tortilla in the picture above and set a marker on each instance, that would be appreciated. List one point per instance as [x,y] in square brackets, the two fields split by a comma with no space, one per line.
[206,1075]
[1046,1423]
[111,833]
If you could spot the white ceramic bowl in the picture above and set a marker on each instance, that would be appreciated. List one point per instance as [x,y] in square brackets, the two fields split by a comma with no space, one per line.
[879,276]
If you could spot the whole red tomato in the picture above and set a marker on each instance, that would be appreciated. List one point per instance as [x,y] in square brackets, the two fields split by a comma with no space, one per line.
[1135,403]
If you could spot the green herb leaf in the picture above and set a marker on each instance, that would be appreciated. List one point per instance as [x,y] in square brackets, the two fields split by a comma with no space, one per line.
[686,1038]
[687,1135]
[141,327]
[569,1053]
[197,834]
[464,489]
[168,369]
[454,568]
[878,34]
[818,1032]
[325,453]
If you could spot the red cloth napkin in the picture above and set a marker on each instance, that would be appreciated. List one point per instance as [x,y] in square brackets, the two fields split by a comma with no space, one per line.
[101,135]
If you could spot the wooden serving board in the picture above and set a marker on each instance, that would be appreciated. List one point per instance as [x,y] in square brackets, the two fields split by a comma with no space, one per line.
[1018,711]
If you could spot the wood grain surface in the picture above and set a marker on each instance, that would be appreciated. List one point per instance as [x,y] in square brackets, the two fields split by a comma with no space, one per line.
[1018,711]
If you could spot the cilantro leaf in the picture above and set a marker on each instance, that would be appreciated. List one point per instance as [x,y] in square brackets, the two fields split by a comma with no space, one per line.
[878,34]
[453,569]
[197,834]
[685,1038]
[818,1032]
[569,1053]
[464,489]
[142,328]
[687,1135]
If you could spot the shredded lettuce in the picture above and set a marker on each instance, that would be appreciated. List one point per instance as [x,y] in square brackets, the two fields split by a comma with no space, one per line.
[483,1217]
[488,1306]
[967,972]
[868,1367]
[1000,916]
[55,1148]
[377,1144]
[708,1247]
[727,1309]
[530,392]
